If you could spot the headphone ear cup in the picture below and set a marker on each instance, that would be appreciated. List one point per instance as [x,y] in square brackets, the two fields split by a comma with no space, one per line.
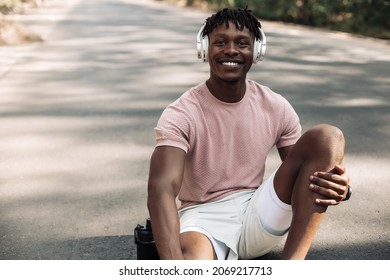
[259,47]
[205,48]
[202,44]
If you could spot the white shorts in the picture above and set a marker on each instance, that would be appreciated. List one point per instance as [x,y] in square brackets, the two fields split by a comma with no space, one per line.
[243,225]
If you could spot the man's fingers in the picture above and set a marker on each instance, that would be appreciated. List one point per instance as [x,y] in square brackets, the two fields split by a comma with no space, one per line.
[340,169]
[334,193]
[326,202]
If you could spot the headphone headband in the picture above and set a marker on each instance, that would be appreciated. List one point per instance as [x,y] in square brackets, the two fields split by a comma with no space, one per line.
[202,45]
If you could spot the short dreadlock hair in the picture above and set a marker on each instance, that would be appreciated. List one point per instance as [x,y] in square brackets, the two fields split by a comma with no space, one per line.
[241,18]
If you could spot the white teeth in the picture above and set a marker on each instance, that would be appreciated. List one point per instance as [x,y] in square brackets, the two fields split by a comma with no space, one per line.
[230,63]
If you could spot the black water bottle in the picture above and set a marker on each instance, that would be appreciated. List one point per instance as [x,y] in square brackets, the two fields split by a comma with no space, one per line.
[143,238]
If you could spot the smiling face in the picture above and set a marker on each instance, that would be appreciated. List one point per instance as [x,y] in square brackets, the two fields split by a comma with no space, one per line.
[230,53]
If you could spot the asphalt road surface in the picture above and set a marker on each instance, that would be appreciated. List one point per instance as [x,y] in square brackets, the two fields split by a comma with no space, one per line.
[77,114]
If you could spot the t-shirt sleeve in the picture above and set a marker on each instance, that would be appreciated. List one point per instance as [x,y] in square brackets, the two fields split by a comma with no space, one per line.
[173,128]
[291,129]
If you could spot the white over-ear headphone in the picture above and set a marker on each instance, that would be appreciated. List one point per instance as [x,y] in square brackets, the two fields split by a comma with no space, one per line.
[202,44]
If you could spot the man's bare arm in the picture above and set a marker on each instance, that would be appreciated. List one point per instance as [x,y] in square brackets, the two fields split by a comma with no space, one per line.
[165,178]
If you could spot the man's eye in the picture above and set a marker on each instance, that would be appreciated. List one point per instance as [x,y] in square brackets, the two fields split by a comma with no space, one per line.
[243,44]
[219,43]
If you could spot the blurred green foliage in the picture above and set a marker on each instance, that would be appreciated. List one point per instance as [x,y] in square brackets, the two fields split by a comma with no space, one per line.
[7,6]
[365,17]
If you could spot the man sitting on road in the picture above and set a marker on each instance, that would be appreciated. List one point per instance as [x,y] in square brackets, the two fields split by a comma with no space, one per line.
[211,150]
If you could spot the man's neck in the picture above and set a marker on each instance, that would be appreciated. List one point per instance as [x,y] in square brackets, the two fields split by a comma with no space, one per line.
[229,92]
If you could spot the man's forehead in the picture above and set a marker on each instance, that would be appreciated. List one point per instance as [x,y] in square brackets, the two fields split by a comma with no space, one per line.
[223,29]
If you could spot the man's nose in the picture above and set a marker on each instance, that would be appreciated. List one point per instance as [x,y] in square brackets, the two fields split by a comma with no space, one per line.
[231,48]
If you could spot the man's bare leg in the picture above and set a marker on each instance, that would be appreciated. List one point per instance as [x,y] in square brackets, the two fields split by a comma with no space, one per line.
[196,246]
[319,149]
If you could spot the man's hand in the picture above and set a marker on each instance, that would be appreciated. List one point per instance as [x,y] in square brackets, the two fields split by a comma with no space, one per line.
[332,186]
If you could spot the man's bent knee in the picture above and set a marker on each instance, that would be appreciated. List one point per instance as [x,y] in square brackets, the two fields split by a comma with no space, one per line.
[319,149]
[326,132]
[325,140]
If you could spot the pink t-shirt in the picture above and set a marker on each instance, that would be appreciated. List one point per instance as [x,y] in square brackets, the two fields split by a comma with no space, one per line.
[226,143]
